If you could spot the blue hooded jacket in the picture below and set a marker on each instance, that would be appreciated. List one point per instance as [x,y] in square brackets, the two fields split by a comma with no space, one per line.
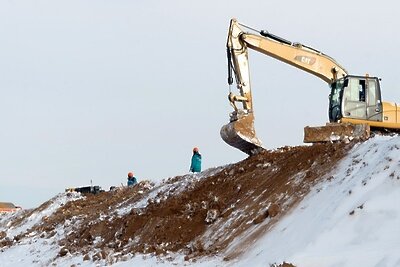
[132,181]
[196,162]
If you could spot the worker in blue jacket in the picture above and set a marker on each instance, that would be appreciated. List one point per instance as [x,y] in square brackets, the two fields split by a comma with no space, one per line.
[131,179]
[195,166]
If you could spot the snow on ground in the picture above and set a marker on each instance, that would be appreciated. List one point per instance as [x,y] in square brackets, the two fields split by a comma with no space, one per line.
[352,219]
[37,217]
[144,261]
[29,253]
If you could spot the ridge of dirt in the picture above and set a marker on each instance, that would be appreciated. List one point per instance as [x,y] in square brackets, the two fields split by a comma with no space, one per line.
[195,214]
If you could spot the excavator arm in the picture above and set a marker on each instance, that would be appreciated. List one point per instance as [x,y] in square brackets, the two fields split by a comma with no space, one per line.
[240,131]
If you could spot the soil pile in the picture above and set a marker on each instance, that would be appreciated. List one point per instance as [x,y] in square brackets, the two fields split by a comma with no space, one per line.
[195,214]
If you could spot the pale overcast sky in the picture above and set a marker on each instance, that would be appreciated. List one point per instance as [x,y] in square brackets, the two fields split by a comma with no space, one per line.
[94,89]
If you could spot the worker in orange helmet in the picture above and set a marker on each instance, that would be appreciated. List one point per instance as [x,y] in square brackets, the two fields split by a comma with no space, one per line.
[195,165]
[131,179]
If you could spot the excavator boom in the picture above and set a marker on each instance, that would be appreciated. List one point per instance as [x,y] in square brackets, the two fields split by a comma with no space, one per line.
[297,55]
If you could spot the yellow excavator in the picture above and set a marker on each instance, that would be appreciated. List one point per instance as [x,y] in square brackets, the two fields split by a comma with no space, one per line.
[355,104]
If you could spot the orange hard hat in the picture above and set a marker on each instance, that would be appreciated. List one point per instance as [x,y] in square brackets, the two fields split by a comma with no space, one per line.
[130,174]
[196,149]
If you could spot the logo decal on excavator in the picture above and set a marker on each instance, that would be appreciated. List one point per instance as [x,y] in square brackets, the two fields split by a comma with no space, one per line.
[305,59]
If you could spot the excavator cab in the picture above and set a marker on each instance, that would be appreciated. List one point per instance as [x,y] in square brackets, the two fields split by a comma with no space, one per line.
[355,98]
[355,105]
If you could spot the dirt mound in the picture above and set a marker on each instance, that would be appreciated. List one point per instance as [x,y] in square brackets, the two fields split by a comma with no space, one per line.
[196,214]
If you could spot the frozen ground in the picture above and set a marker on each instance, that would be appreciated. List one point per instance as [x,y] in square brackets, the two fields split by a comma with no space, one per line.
[351,218]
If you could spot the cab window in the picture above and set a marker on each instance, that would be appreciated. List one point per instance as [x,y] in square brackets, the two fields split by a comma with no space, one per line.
[372,92]
[356,90]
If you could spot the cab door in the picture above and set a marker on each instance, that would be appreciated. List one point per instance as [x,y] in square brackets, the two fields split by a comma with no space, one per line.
[374,106]
[354,99]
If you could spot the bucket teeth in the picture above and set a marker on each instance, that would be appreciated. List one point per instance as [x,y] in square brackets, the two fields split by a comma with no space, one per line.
[240,133]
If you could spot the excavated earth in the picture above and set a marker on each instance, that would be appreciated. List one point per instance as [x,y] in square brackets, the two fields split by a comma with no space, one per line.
[195,214]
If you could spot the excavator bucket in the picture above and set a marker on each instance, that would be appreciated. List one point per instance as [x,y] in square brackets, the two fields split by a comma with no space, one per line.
[240,133]
[332,132]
